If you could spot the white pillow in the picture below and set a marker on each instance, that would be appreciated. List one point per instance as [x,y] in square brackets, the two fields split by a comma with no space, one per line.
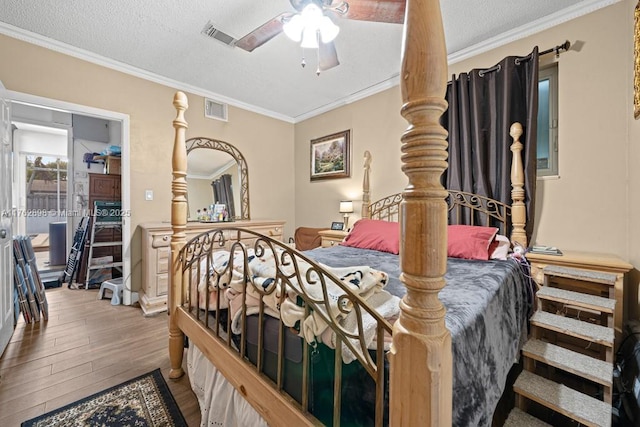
[502,250]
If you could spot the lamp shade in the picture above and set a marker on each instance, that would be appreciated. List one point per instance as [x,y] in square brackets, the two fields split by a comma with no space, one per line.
[346,206]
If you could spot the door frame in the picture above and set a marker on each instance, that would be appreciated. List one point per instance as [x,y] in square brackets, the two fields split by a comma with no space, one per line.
[129,297]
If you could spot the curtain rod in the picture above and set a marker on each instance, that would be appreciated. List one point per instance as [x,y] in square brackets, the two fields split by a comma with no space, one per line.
[564,46]
[561,47]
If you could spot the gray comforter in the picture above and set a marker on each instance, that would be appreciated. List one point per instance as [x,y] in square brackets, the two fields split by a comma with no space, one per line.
[488,304]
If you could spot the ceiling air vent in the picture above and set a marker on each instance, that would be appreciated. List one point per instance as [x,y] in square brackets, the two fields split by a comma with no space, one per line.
[215,110]
[210,31]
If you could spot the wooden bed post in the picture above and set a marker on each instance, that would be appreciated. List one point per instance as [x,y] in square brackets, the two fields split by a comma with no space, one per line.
[366,193]
[178,238]
[518,210]
[421,366]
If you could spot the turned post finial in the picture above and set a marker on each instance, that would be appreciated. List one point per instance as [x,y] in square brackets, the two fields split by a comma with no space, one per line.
[366,193]
[515,131]
[518,209]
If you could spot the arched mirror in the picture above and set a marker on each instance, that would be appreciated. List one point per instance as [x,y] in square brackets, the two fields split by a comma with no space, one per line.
[216,173]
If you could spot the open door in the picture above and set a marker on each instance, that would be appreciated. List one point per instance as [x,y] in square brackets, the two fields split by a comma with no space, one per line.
[6,220]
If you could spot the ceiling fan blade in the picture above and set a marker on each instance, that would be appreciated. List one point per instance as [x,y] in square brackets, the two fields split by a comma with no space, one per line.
[327,56]
[391,11]
[263,33]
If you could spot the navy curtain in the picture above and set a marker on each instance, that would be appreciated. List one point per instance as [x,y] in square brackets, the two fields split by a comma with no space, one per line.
[483,104]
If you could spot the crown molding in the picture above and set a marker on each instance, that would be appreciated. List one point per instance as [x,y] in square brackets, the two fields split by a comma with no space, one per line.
[576,11]
[85,55]
[567,14]
[564,15]
[356,96]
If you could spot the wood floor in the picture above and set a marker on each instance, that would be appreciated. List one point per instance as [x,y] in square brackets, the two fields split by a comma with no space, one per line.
[86,346]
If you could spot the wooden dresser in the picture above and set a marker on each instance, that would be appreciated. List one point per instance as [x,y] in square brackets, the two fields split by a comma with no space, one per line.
[595,262]
[156,238]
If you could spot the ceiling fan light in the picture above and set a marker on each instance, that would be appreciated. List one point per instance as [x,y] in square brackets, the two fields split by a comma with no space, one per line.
[328,30]
[293,28]
[311,14]
[309,38]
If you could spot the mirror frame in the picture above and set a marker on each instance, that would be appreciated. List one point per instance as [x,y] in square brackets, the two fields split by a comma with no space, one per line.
[215,144]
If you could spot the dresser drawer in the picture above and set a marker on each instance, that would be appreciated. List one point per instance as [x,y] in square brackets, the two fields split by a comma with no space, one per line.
[162,284]
[160,240]
[156,253]
[162,260]
[331,237]
[328,242]
[275,232]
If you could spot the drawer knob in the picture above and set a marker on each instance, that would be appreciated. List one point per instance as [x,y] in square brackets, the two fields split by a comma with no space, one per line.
[165,238]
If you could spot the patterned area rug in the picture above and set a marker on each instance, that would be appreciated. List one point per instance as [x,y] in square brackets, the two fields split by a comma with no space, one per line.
[142,401]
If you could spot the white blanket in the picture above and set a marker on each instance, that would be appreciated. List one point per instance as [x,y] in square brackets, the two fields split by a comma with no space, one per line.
[267,277]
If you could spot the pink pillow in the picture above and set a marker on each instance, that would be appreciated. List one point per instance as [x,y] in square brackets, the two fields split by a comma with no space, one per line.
[374,234]
[470,241]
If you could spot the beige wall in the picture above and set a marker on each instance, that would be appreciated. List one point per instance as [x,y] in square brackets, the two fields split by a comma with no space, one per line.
[631,203]
[376,126]
[265,142]
[593,204]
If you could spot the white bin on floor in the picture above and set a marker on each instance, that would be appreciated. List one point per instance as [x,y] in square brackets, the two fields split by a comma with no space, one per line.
[115,286]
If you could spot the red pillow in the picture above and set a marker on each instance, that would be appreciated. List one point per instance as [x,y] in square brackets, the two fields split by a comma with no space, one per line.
[374,234]
[470,241]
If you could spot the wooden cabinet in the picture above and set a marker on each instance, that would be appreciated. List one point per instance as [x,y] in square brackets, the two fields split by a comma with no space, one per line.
[103,188]
[332,237]
[598,263]
[156,238]
[112,164]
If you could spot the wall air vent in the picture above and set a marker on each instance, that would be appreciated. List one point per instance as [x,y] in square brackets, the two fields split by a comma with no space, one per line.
[210,31]
[215,110]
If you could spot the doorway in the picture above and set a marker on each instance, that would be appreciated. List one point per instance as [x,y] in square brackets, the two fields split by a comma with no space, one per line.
[68,196]
[41,186]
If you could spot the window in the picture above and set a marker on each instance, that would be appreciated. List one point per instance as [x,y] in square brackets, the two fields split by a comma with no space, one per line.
[46,191]
[548,121]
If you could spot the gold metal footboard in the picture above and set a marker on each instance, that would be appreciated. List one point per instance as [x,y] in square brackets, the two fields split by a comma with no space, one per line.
[232,273]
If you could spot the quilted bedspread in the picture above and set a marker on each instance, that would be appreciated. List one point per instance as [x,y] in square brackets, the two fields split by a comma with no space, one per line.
[488,304]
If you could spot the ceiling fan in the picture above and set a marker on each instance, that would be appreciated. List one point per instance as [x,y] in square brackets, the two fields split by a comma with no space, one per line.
[323,30]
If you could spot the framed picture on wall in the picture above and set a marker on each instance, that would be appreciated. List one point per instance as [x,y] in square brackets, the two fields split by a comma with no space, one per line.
[636,61]
[330,156]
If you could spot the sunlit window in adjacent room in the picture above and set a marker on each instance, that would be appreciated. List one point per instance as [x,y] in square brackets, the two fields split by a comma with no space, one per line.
[548,121]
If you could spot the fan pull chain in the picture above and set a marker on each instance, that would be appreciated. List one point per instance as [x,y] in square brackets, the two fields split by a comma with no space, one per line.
[318,52]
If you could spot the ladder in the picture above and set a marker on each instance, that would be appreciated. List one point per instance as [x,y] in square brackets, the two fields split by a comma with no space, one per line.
[568,360]
[79,240]
[107,215]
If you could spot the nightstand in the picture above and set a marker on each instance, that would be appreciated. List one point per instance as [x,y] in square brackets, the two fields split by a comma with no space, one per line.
[605,264]
[332,237]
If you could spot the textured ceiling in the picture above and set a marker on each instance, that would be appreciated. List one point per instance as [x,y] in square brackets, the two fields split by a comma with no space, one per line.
[163,38]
